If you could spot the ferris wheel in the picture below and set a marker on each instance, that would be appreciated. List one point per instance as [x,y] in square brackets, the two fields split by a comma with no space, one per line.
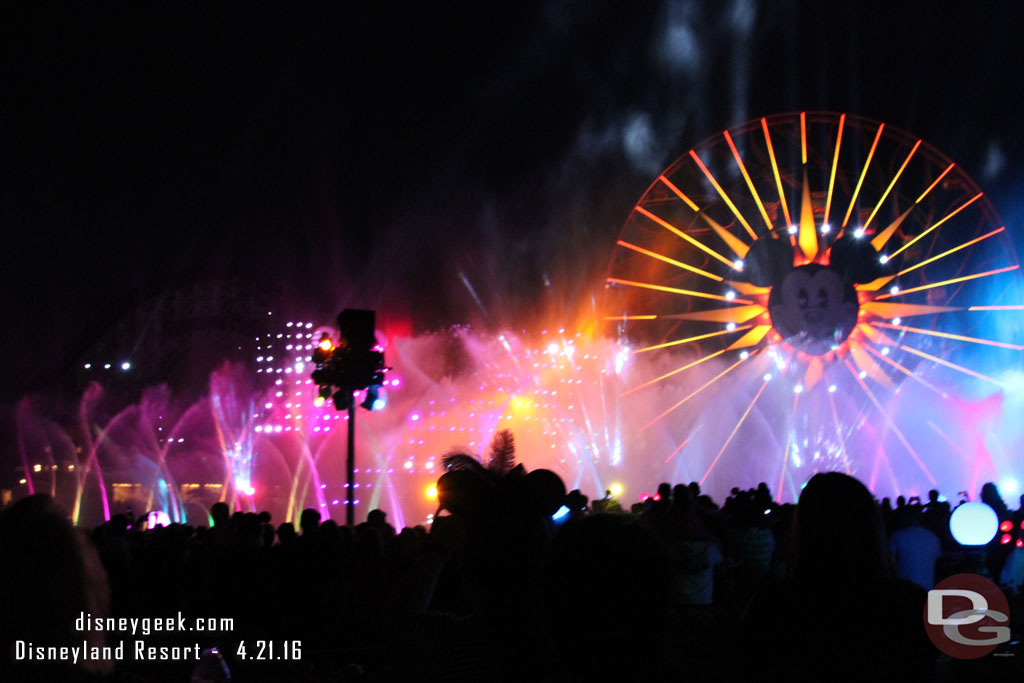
[788,279]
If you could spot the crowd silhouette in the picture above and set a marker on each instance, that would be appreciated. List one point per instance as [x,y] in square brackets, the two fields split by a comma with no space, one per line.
[501,588]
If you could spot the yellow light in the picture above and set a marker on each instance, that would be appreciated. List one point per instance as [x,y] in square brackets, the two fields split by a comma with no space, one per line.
[616,489]
[965,278]
[835,163]
[891,184]
[679,233]
[319,401]
[746,177]
[431,492]
[666,259]
[946,218]
[37,468]
[775,169]
[723,195]
[676,290]
[864,172]
[325,342]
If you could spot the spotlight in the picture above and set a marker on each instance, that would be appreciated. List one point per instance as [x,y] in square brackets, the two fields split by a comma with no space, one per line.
[793,230]
[858,233]
[825,228]
[376,397]
[973,523]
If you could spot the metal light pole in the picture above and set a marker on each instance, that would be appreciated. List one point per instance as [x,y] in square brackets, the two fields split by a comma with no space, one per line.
[350,465]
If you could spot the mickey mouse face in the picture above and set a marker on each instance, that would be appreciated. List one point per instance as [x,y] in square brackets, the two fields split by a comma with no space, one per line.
[813,309]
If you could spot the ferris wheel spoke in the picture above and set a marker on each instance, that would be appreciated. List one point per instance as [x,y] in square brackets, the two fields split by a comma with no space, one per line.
[670,261]
[882,357]
[863,174]
[892,184]
[947,335]
[746,178]
[688,340]
[676,290]
[884,309]
[734,314]
[722,193]
[835,165]
[679,233]
[807,237]
[775,170]
[939,223]
[965,278]
[952,366]
[950,251]
[869,367]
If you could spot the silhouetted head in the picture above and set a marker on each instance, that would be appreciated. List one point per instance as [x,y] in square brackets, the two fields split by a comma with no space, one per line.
[309,520]
[49,575]
[220,514]
[376,517]
[665,490]
[838,533]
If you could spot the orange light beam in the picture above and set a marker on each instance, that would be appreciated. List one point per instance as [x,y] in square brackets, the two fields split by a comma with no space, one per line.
[691,339]
[947,253]
[679,193]
[936,182]
[803,138]
[839,431]
[890,310]
[746,177]
[775,170]
[734,314]
[891,184]
[751,338]
[670,261]
[904,370]
[631,317]
[947,335]
[863,173]
[996,308]
[695,392]
[683,444]
[673,372]
[953,366]
[807,236]
[948,216]
[892,424]
[948,282]
[734,430]
[675,290]
[679,233]
[835,164]
[723,195]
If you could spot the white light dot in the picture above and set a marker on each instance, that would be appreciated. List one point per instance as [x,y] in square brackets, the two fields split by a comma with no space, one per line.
[863,374]
[744,355]
[832,389]
[799,388]
[897,321]
[793,230]
[894,289]
[825,228]
[731,326]
[858,233]
[885,351]
[883,259]
[730,295]
[767,376]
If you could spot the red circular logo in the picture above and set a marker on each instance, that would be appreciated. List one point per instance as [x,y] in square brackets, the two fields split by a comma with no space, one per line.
[967,616]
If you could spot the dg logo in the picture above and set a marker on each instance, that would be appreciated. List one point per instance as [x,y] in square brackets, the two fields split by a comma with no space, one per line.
[967,616]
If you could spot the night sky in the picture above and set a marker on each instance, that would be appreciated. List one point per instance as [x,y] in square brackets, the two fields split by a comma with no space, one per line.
[387,154]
